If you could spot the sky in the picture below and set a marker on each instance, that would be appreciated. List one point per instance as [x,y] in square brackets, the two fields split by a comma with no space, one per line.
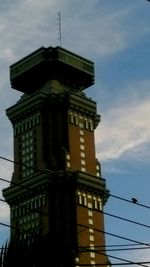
[115,35]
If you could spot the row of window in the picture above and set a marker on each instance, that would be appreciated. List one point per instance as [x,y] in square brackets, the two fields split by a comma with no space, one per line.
[28,206]
[89,201]
[26,124]
[73,60]
[29,221]
[83,123]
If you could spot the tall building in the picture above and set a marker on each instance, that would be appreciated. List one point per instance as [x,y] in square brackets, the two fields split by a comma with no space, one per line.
[56,184]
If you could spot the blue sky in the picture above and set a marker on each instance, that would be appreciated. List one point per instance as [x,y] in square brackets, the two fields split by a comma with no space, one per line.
[115,35]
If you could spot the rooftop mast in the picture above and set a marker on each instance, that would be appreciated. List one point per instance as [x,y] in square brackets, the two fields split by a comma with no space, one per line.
[59,28]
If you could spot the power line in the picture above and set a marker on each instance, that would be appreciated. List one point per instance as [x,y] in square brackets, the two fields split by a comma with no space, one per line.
[101,231]
[111,195]
[125,219]
[106,213]
[118,236]
[130,201]
[14,227]
[87,250]
[21,164]
[98,248]
[116,264]
[114,257]
[115,235]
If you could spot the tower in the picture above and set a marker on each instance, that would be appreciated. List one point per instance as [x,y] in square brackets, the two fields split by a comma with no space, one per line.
[57,186]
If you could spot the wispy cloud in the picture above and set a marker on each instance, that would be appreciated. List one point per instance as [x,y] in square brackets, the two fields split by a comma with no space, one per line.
[125,126]
[102,30]
[139,255]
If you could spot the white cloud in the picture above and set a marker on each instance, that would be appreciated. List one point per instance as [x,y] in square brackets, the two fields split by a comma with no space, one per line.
[4,214]
[7,54]
[26,25]
[139,255]
[125,126]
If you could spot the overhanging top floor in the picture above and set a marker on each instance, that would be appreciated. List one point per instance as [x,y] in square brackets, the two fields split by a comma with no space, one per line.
[33,71]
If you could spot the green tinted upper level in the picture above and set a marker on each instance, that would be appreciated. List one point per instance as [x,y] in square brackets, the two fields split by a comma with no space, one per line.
[32,72]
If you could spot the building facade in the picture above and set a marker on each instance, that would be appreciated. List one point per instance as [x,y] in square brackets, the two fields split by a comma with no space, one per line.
[57,186]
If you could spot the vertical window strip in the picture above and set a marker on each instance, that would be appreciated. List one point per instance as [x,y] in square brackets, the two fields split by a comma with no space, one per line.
[27,124]
[76,120]
[86,124]
[91,128]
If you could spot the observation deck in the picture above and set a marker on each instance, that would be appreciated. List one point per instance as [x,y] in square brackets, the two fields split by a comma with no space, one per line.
[53,63]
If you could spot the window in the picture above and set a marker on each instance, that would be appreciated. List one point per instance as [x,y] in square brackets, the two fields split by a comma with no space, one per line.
[97,167]
[86,124]
[91,125]
[84,200]
[93,263]
[91,237]
[90,205]
[82,154]
[81,125]
[90,213]
[81,132]
[71,118]
[82,147]
[82,162]
[91,230]
[92,254]
[90,221]
[76,119]
[79,198]
[68,164]
[67,156]
[94,203]
[83,169]
[81,139]
[99,204]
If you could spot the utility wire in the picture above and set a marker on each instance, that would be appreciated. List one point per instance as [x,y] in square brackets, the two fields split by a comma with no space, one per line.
[25,187]
[117,236]
[103,212]
[21,164]
[98,249]
[106,213]
[114,257]
[28,209]
[87,250]
[115,264]
[130,201]
[111,195]
[98,230]
[13,227]
[125,219]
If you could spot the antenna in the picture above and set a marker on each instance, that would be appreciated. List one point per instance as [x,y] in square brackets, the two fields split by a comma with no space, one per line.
[59,28]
